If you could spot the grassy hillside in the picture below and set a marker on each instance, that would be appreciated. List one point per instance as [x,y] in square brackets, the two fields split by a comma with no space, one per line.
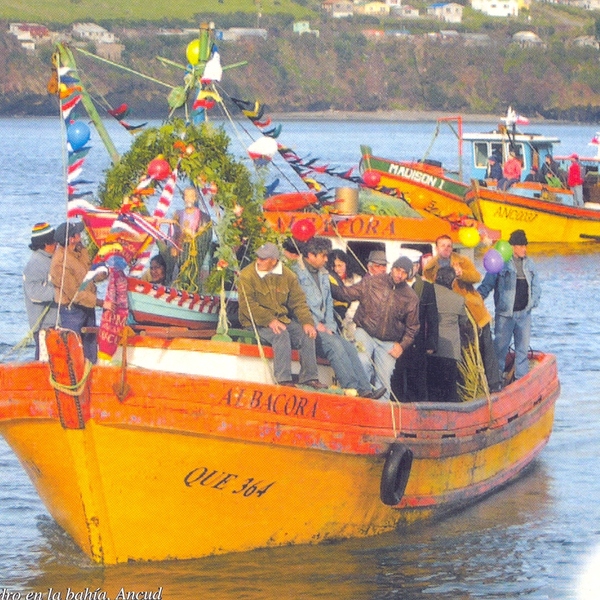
[52,11]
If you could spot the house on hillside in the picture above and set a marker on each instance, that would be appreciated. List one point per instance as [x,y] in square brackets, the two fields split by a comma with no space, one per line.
[302,27]
[93,33]
[497,8]
[30,34]
[338,9]
[233,34]
[449,12]
[373,9]
[527,39]
[407,12]
[587,40]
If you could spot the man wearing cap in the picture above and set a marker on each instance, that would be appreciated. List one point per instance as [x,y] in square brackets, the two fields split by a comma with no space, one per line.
[466,276]
[494,170]
[340,352]
[377,262]
[387,319]
[39,291]
[271,299]
[69,266]
[576,179]
[409,381]
[516,291]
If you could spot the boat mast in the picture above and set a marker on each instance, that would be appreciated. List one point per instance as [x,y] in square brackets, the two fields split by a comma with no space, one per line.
[65,58]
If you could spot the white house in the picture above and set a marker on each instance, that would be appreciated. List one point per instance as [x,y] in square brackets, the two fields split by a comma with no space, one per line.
[527,38]
[450,12]
[29,34]
[497,8]
[338,9]
[93,33]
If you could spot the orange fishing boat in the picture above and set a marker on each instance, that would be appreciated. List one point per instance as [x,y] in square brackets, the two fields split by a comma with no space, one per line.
[186,448]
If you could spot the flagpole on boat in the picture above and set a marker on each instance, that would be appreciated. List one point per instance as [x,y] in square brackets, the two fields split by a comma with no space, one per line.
[66,58]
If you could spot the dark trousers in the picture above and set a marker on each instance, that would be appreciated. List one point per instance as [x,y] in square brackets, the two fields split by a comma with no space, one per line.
[442,378]
[77,317]
[490,358]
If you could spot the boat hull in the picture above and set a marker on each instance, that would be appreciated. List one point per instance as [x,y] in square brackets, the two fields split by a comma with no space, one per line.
[192,465]
[542,220]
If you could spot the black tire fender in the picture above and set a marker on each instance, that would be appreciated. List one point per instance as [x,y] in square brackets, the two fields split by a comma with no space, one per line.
[395,474]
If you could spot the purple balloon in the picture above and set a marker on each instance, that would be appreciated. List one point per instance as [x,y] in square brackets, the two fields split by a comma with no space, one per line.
[493,261]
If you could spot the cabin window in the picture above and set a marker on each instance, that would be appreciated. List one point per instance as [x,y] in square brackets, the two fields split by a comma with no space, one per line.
[480,154]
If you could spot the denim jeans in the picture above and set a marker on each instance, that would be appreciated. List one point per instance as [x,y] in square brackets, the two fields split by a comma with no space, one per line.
[282,343]
[344,360]
[519,326]
[77,317]
[376,359]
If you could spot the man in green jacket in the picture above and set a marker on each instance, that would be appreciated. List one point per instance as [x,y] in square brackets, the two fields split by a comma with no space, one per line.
[271,299]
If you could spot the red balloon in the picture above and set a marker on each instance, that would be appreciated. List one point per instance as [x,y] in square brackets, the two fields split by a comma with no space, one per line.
[371,178]
[159,169]
[303,230]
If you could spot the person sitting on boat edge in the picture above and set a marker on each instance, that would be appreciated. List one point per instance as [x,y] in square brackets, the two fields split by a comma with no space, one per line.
[494,170]
[517,291]
[341,353]
[511,172]
[343,272]
[466,276]
[70,264]
[38,289]
[552,174]
[271,299]
[387,319]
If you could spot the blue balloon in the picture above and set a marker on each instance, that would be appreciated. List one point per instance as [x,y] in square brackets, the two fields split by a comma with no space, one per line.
[493,261]
[78,134]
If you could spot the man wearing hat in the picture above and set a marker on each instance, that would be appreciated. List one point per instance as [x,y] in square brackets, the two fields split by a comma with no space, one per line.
[494,170]
[70,264]
[516,291]
[271,299]
[377,262]
[387,319]
[576,179]
[39,291]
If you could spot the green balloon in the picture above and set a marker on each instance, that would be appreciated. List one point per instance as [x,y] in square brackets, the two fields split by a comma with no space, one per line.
[505,249]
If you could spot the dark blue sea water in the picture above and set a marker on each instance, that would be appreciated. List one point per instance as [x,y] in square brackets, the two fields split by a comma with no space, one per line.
[538,538]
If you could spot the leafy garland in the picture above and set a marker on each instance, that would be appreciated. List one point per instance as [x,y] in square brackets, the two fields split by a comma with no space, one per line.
[202,152]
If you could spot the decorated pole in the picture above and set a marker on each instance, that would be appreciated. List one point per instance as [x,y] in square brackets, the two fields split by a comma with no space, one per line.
[65,58]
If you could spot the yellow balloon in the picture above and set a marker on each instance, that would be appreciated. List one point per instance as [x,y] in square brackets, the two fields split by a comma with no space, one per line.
[469,236]
[192,52]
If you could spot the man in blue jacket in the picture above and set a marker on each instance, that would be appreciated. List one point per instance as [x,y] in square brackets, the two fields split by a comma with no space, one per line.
[516,291]
[341,353]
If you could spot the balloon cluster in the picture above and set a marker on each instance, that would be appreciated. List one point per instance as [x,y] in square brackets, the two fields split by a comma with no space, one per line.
[495,257]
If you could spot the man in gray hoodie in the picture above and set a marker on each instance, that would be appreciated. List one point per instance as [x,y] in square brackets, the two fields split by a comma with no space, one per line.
[38,290]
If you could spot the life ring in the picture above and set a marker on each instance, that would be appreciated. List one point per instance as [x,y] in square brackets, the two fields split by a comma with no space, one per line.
[395,474]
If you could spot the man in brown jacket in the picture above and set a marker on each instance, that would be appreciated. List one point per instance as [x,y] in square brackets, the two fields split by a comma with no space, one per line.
[387,319]
[466,276]
[69,266]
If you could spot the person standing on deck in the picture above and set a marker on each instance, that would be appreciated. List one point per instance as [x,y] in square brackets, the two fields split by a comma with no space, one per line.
[38,289]
[70,264]
[516,292]
[576,179]
[511,172]
[466,276]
